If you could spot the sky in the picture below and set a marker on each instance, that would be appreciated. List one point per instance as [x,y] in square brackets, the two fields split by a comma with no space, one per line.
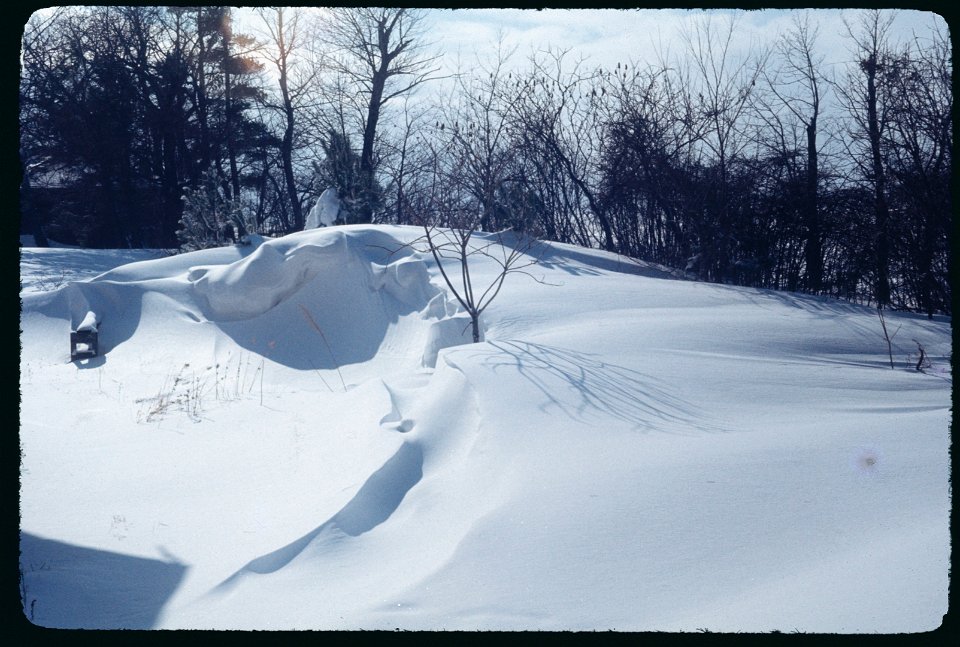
[608,36]
[466,39]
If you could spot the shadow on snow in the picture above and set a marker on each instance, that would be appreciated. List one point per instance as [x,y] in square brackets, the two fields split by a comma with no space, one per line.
[619,392]
[71,587]
[372,505]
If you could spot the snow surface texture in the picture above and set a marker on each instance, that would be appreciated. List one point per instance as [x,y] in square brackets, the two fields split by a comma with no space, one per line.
[48,268]
[296,435]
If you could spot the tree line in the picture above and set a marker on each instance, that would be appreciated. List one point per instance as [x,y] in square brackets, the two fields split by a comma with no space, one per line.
[761,166]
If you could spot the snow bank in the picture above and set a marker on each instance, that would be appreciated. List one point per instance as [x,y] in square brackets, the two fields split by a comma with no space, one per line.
[294,436]
[251,286]
[320,299]
[444,333]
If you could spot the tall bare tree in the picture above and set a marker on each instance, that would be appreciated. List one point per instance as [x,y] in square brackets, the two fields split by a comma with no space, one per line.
[799,86]
[724,77]
[865,97]
[406,159]
[647,186]
[297,76]
[561,115]
[479,131]
[920,155]
[382,51]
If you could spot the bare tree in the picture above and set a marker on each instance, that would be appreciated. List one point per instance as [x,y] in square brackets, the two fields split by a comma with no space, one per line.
[799,87]
[651,136]
[724,76]
[297,79]
[479,127]
[405,159]
[381,51]
[864,96]
[919,146]
[450,216]
[561,117]
[238,69]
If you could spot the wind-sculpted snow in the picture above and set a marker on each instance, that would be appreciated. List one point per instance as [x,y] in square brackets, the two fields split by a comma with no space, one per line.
[373,504]
[316,300]
[348,297]
[438,421]
[295,434]
[250,287]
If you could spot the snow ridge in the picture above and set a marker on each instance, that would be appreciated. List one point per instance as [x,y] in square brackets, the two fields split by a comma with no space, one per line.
[389,510]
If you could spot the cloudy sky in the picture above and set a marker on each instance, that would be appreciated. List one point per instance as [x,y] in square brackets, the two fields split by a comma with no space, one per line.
[608,36]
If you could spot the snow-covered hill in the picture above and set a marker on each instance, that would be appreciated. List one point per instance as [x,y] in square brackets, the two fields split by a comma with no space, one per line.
[295,435]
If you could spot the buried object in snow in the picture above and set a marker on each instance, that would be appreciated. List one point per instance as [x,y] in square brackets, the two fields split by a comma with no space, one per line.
[83,341]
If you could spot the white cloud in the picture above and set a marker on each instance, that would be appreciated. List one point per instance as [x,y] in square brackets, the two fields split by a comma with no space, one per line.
[608,36]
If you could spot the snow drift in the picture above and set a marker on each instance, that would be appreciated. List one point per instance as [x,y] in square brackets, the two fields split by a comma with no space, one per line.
[335,289]
[295,435]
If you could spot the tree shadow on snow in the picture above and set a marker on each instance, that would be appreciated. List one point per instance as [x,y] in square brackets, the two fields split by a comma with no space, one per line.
[619,392]
[70,587]
[855,336]
[50,268]
[830,306]
[553,256]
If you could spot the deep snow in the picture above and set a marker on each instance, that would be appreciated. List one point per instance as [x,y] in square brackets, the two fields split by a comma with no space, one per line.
[295,435]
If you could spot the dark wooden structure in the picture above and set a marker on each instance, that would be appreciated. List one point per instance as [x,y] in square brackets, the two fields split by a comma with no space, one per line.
[84,340]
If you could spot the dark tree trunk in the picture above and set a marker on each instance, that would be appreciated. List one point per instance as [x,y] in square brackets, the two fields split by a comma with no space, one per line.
[365,212]
[286,152]
[230,134]
[813,250]
[881,210]
[201,102]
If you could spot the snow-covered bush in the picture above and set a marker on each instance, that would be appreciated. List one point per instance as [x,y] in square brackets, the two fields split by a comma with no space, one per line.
[326,210]
[358,192]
